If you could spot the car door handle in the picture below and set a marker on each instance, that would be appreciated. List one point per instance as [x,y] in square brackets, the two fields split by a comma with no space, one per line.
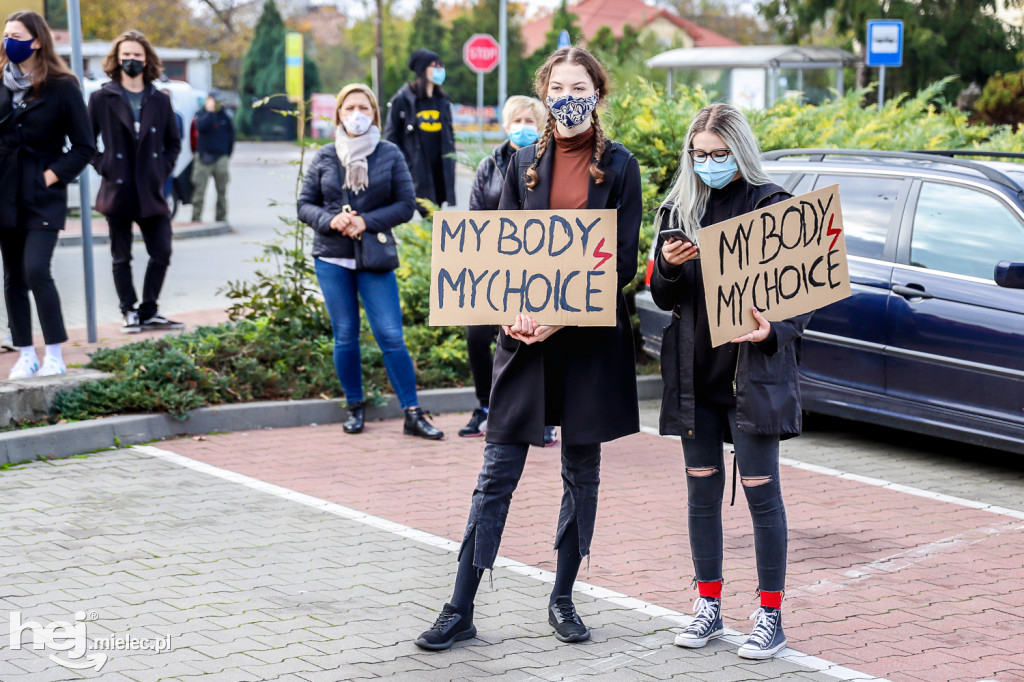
[910,291]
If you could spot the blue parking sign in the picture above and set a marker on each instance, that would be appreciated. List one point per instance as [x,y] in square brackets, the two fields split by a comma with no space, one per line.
[885,42]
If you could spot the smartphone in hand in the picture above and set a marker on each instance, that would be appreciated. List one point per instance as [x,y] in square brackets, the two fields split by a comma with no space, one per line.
[677,234]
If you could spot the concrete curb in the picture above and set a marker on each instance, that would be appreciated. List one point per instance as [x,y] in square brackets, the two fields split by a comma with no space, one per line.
[66,440]
[203,230]
[31,399]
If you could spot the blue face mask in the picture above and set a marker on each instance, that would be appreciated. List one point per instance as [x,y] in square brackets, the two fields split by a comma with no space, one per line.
[523,134]
[437,75]
[714,174]
[18,50]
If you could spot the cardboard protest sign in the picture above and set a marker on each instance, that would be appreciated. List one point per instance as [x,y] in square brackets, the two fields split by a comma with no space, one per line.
[556,266]
[786,259]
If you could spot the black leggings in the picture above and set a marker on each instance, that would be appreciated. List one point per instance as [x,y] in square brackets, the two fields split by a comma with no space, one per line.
[479,339]
[757,458]
[27,255]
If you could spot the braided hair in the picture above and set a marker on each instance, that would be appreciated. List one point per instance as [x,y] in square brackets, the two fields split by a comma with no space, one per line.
[599,77]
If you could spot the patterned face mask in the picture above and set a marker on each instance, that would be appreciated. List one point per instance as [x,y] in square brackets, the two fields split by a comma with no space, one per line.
[571,111]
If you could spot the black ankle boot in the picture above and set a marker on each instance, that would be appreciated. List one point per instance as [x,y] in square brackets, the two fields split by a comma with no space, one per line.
[417,425]
[354,423]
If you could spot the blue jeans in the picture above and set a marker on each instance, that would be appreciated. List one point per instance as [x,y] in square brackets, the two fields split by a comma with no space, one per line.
[342,289]
[502,469]
[757,458]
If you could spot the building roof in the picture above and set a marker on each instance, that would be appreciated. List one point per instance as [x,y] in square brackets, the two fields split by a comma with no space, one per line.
[616,14]
[753,56]
[96,48]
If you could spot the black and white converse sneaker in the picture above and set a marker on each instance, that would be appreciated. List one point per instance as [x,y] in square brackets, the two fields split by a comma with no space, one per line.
[450,627]
[767,637]
[706,625]
[566,622]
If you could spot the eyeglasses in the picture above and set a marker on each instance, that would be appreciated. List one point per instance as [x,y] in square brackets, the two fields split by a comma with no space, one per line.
[717,155]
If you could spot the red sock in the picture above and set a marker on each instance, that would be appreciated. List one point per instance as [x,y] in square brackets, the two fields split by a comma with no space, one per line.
[772,599]
[712,590]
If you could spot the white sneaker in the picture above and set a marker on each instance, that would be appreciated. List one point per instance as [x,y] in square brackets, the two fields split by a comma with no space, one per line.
[25,367]
[52,367]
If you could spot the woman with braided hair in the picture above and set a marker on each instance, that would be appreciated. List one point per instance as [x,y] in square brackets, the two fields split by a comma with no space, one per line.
[583,378]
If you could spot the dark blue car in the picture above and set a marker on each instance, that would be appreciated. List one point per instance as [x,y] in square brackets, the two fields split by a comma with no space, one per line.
[932,339]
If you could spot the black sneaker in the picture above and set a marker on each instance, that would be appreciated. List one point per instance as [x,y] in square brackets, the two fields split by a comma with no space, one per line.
[131,323]
[767,637]
[417,425]
[450,627]
[706,625]
[550,436]
[158,321]
[566,622]
[477,424]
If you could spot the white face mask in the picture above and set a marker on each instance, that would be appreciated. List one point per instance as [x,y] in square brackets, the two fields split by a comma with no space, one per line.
[357,123]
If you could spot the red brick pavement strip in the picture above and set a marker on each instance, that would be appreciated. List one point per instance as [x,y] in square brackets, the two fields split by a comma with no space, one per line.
[880,581]
[77,349]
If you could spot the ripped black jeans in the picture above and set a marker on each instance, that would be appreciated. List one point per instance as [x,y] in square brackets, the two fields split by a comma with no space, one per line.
[499,476]
[758,460]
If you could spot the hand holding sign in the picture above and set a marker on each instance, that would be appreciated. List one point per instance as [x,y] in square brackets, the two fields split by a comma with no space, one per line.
[528,331]
[764,328]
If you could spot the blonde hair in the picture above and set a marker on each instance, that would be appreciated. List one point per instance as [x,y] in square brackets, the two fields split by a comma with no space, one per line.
[517,102]
[689,194]
[348,90]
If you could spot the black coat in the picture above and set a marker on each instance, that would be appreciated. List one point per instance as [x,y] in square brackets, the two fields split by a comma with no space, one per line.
[583,378]
[32,142]
[215,134]
[767,385]
[402,130]
[490,179]
[133,170]
[389,200]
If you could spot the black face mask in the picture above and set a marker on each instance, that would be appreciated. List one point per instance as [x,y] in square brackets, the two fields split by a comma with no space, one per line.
[132,67]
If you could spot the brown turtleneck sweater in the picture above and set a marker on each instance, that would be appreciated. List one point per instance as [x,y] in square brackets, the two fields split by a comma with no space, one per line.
[570,170]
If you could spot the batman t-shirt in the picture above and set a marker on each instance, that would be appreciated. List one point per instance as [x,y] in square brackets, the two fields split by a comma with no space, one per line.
[428,122]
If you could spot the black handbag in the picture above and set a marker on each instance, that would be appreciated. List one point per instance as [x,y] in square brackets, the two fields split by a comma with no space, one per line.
[375,251]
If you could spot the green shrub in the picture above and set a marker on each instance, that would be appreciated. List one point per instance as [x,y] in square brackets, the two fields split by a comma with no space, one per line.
[234,362]
[1002,99]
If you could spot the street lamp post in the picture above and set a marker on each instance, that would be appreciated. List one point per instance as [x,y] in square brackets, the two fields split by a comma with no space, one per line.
[84,192]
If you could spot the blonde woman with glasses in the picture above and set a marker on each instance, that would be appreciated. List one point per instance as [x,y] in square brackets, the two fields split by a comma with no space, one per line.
[745,392]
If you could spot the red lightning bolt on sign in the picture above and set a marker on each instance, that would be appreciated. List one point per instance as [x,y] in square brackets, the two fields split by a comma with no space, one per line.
[598,253]
[832,232]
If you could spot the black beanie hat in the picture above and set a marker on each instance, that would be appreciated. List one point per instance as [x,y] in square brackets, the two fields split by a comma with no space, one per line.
[421,59]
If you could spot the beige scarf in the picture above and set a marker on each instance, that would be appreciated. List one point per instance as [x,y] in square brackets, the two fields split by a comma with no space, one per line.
[352,152]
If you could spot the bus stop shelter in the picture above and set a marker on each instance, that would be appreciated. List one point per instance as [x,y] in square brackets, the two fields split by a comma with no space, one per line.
[747,63]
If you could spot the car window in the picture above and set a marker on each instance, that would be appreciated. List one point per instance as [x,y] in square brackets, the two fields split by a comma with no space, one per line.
[964,231]
[780,179]
[868,203]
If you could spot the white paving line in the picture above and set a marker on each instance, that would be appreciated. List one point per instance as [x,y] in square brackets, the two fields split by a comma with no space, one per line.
[882,483]
[625,601]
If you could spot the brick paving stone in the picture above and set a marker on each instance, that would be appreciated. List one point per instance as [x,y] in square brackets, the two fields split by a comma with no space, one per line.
[866,564]
[341,600]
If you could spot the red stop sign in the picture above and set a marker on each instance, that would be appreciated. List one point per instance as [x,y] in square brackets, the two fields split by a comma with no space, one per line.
[481,53]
